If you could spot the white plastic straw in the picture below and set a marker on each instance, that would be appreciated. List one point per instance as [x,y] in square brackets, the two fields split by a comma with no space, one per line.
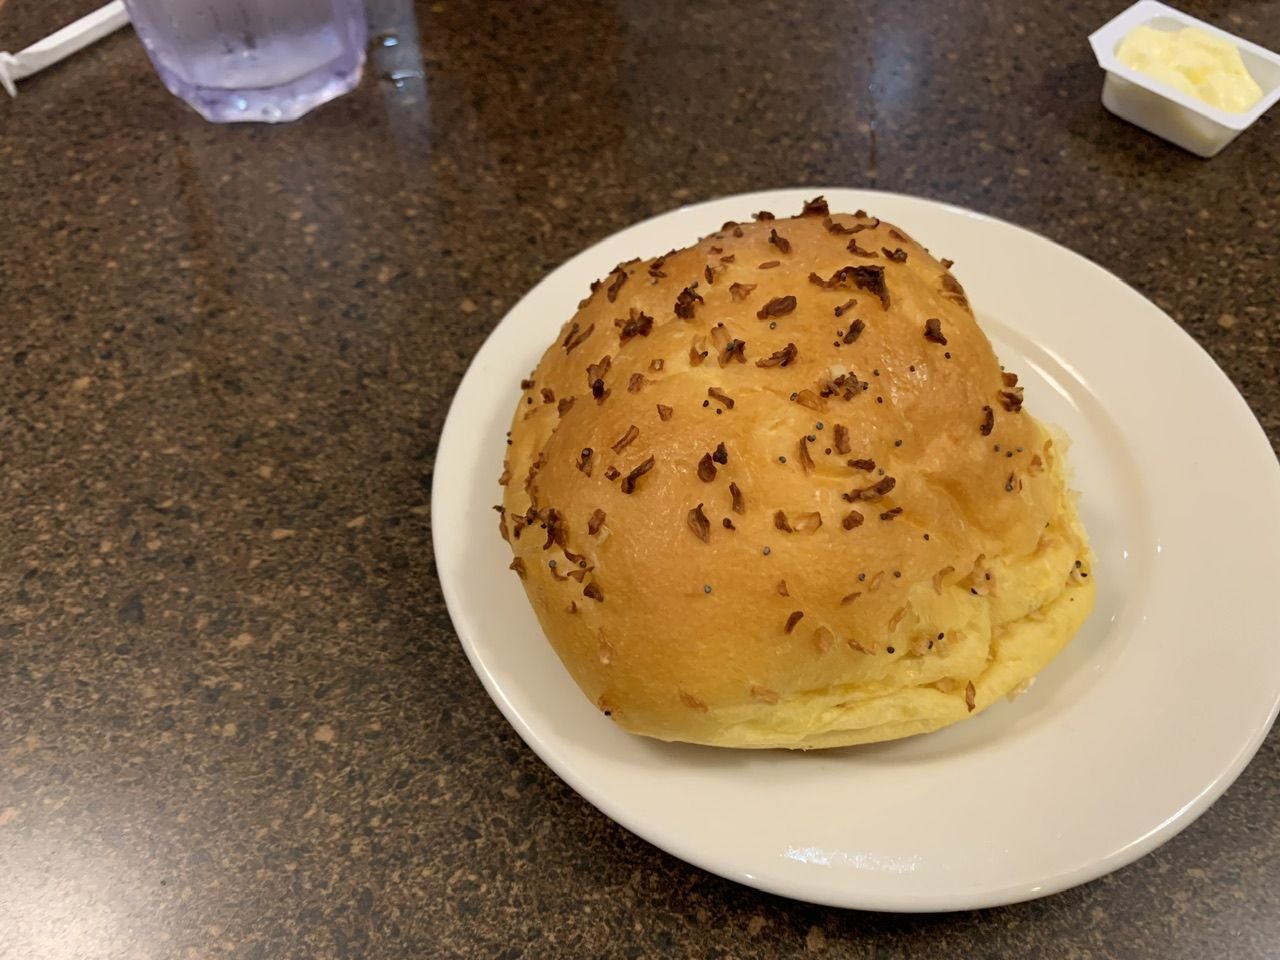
[58,46]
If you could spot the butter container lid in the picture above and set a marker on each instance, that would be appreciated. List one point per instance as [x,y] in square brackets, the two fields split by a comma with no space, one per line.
[1262,64]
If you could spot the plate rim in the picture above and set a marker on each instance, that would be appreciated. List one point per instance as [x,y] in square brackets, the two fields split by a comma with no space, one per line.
[987,897]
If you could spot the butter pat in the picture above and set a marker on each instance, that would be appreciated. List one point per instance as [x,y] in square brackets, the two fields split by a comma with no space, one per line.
[1183,79]
[1193,61]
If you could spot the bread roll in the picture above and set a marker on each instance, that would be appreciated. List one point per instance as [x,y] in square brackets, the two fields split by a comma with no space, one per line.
[775,490]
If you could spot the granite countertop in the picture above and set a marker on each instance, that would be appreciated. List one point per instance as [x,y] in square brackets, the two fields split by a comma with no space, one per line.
[235,720]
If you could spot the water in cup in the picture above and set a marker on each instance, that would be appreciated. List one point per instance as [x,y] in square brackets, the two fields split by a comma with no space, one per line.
[265,60]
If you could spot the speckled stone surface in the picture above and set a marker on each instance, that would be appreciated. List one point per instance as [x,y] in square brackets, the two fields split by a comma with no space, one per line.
[235,720]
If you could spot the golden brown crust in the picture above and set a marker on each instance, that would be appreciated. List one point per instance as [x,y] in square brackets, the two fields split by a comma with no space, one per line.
[807,400]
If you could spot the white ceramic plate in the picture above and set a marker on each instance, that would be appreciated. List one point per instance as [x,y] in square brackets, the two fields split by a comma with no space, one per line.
[1149,715]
